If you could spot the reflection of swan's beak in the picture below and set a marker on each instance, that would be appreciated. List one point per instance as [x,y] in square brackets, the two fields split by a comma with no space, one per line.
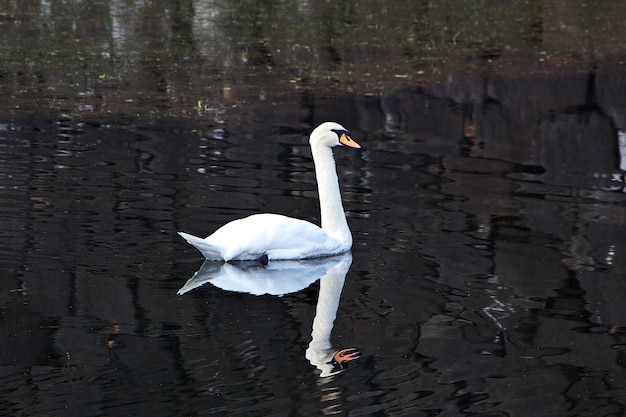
[340,359]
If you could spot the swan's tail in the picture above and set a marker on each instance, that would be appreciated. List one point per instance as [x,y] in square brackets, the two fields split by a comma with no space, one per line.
[211,252]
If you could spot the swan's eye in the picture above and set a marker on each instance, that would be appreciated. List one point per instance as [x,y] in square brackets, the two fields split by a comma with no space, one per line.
[340,132]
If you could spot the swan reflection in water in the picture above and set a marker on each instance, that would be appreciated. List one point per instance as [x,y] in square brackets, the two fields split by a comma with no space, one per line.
[284,277]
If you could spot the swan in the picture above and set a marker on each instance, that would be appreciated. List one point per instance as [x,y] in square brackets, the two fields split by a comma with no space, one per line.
[269,236]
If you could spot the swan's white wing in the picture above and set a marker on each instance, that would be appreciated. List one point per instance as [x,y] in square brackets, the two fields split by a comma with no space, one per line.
[271,235]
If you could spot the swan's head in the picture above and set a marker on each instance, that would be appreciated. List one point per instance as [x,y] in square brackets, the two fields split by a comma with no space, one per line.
[332,134]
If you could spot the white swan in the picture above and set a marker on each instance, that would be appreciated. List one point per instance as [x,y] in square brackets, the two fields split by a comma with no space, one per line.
[272,236]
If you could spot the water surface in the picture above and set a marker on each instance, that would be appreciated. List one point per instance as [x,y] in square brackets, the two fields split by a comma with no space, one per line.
[486,279]
[487,208]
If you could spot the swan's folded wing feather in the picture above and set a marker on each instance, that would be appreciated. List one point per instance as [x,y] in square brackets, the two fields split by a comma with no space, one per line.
[209,251]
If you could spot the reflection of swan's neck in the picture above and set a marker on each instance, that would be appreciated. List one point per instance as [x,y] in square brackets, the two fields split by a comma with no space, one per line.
[319,352]
[332,214]
[326,311]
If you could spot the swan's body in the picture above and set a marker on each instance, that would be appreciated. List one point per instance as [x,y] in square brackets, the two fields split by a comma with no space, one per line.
[273,236]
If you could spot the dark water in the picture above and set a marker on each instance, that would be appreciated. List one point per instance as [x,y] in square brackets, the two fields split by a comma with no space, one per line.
[487,274]
[487,208]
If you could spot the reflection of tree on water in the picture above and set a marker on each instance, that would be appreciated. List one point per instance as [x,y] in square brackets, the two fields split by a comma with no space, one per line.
[283,277]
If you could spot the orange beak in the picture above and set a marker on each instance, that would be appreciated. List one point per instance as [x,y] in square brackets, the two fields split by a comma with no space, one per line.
[347,141]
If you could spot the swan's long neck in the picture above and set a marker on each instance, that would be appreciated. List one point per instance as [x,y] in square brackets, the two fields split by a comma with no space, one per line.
[332,214]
